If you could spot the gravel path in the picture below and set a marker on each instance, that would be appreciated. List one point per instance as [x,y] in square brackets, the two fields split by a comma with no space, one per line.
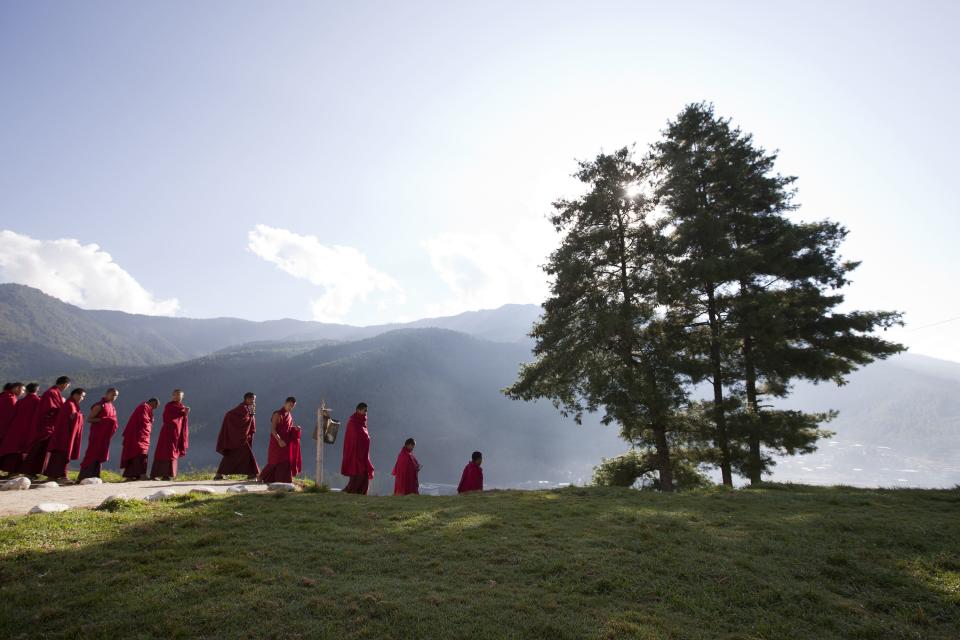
[19,502]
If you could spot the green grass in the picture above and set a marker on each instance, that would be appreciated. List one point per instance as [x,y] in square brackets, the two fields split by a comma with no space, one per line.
[778,562]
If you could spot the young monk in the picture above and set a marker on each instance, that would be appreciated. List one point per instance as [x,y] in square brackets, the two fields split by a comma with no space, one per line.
[356,463]
[103,424]
[15,444]
[283,453]
[472,478]
[136,440]
[405,470]
[64,444]
[235,442]
[174,438]
[35,454]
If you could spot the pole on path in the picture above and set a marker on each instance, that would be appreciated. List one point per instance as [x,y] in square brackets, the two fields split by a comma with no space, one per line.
[322,414]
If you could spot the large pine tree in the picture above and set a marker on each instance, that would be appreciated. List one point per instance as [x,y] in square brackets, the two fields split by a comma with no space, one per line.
[758,291]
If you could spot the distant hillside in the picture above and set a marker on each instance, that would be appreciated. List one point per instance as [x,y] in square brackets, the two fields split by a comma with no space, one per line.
[899,425]
[42,336]
[438,386]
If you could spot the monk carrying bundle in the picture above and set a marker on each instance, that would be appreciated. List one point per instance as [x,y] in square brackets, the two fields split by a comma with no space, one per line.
[103,424]
[284,460]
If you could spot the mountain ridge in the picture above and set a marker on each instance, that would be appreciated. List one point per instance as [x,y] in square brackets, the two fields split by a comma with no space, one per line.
[40,334]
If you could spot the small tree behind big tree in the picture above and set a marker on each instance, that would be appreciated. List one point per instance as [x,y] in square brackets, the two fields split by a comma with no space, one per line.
[604,341]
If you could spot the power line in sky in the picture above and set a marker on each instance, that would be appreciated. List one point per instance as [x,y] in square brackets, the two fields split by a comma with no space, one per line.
[934,324]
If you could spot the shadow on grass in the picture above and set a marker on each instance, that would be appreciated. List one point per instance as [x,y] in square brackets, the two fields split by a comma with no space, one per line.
[793,562]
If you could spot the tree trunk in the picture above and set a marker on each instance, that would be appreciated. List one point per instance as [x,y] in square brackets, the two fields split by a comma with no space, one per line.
[663,458]
[754,464]
[719,414]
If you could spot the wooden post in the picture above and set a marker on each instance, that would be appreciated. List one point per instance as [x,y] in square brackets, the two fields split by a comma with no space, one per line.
[321,426]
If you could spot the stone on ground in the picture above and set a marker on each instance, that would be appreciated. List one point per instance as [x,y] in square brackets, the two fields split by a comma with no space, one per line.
[237,488]
[203,490]
[163,494]
[49,507]
[48,485]
[17,484]
[91,481]
[113,498]
[282,486]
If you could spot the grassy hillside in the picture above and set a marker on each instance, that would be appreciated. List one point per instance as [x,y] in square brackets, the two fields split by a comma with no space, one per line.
[781,562]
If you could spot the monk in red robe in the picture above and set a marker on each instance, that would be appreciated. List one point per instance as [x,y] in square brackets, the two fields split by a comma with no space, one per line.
[64,444]
[17,439]
[35,457]
[8,406]
[235,442]
[136,440]
[356,463]
[405,470]
[174,439]
[283,452]
[103,424]
[472,478]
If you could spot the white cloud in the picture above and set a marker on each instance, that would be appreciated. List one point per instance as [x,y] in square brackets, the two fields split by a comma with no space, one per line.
[81,274]
[487,270]
[342,271]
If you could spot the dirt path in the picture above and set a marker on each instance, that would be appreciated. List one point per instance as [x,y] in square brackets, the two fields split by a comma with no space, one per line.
[18,502]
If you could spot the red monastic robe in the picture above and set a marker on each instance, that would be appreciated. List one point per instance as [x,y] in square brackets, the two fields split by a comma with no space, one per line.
[17,440]
[136,434]
[8,408]
[296,459]
[472,478]
[35,452]
[68,430]
[356,448]
[235,442]
[50,404]
[405,472]
[174,435]
[239,425]
[283,462]
[101,431]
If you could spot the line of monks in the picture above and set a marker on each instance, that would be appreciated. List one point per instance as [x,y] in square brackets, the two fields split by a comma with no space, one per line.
[41,434]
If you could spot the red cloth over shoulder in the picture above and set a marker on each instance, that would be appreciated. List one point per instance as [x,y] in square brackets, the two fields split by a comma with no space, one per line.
[174,435]
[8,409]
[68,430]
[43,421]
[237,429]
[19,435]
[101,431]
[406,472]
[356,448]
[136,434]
[472,478]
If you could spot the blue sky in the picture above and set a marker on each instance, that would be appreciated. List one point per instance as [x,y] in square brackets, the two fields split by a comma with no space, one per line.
[373,161]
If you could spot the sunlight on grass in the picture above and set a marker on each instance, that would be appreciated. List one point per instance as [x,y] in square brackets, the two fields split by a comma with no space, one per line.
[472,521]
[422,520]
